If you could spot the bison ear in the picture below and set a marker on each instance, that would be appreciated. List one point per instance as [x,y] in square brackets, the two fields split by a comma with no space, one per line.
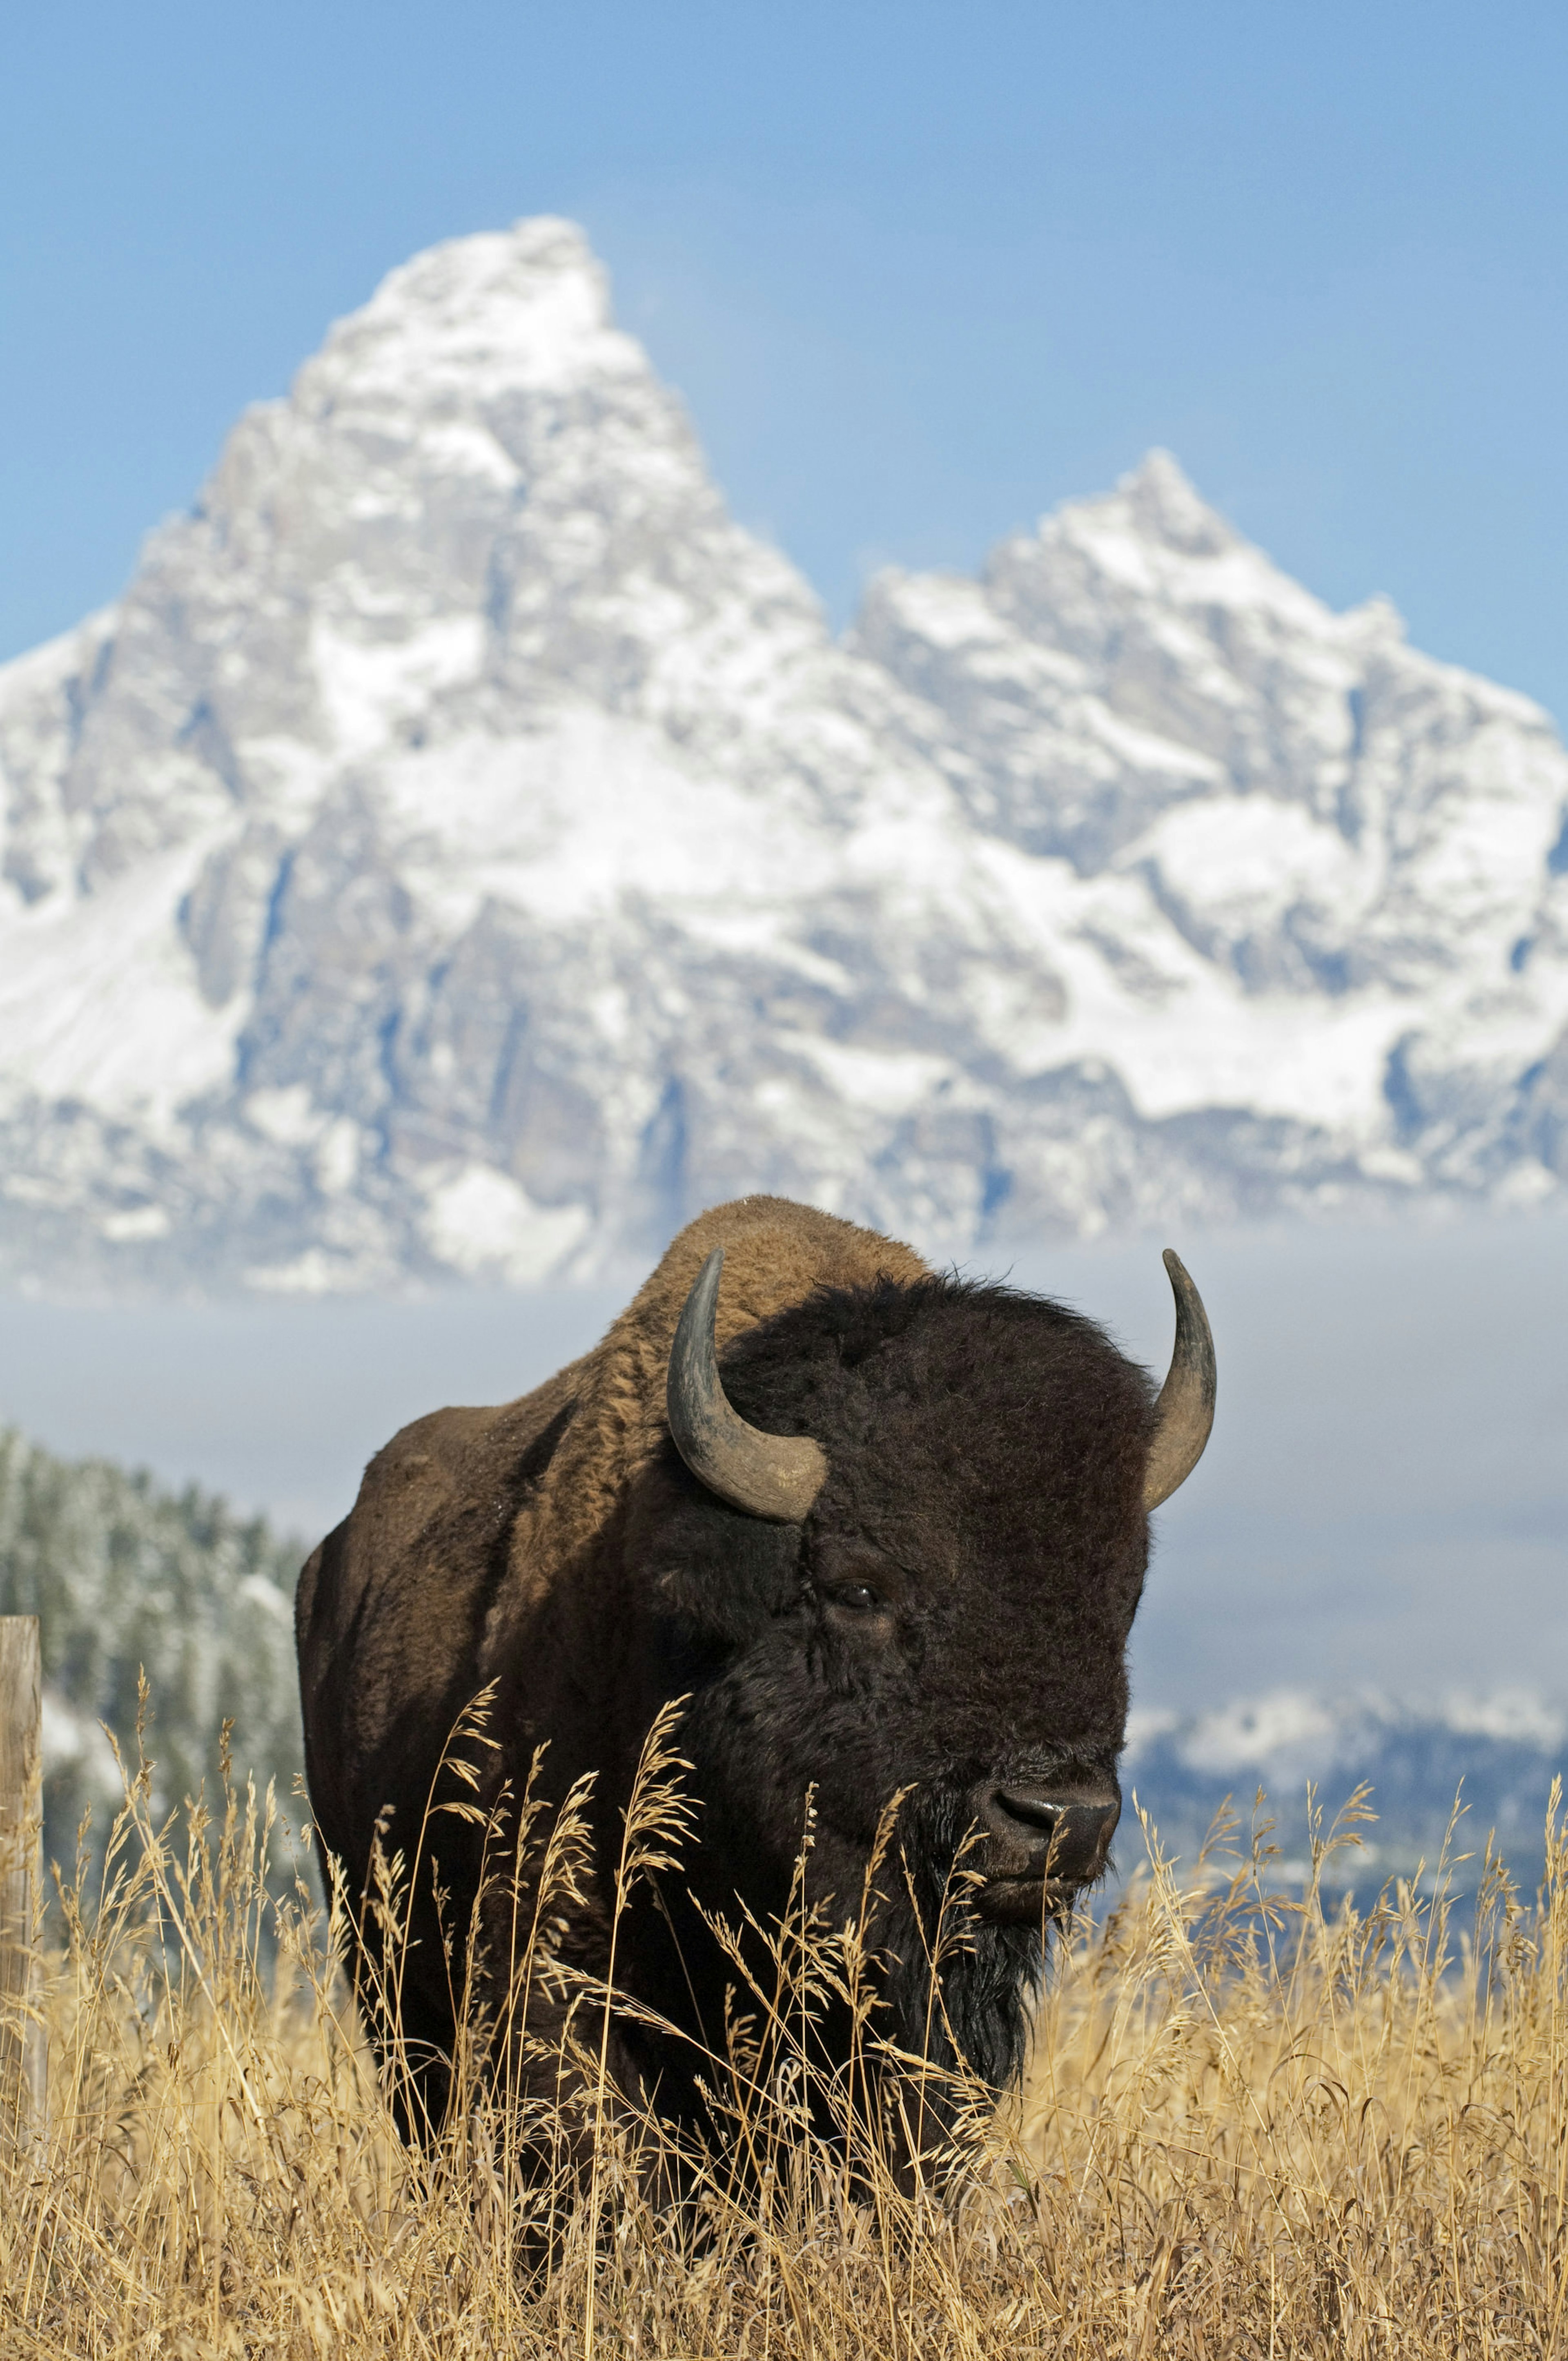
[1185,1410]
[773,1476]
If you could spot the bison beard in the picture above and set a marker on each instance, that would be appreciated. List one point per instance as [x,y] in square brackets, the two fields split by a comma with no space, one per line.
[967,2018]
[927,1594]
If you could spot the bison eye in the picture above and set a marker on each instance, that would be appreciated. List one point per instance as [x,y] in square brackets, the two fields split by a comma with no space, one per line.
[857,1595]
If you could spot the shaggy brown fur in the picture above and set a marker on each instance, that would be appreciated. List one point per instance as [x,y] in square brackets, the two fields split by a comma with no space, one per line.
[475,1535]
[986,1455]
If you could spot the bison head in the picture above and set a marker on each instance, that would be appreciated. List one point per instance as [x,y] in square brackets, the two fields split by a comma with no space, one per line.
[903,1552]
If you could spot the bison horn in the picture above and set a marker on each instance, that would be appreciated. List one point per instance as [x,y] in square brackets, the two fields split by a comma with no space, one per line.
[1185,1410]
[773,1476]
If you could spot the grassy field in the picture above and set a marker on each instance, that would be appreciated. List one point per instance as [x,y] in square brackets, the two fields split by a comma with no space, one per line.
[1255,2124]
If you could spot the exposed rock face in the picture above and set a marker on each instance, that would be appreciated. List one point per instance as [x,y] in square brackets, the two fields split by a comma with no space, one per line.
[465,848]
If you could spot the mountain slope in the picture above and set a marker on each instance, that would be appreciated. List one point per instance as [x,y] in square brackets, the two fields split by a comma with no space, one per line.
[464,849]
[126,1580]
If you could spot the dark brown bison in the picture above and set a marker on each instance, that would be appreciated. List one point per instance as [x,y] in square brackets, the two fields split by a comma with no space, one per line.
[884,1529]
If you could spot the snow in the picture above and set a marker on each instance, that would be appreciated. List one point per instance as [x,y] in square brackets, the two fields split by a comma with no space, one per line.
[135,1224]
[1520,1715]
[1289,1730]
[337,1157]
[582,810]
[1245,863]
[880,1079]
[68,1737]
[314,1272]
[369,686]
[259,1592]
[479,1220]
[1416,1760]
[286,1115]
[98,1001]
[1243,1736]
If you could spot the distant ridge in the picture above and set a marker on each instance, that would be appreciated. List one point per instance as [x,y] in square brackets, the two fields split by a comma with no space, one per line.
[464,851]
[1489,1759]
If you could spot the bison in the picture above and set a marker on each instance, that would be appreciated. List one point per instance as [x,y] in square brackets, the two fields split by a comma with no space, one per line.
[885,1531]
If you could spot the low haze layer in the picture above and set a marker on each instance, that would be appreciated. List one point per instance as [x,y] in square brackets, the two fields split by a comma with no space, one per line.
[1384,1504]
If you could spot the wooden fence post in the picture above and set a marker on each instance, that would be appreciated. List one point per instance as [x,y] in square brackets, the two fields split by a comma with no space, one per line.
[24,2054]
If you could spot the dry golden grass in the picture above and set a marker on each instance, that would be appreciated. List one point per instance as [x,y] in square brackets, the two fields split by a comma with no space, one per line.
[1255,2124]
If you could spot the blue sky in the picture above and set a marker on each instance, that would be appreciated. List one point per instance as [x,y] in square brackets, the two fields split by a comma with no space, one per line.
[920,271]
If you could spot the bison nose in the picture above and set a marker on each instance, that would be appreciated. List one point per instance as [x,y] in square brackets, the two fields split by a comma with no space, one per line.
[1062,1833]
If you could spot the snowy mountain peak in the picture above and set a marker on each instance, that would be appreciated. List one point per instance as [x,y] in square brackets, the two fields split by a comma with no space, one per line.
[1154,539]
[1160,503]
[464,849]
[524,309]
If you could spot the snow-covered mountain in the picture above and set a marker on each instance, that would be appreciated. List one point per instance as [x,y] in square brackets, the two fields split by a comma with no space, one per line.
[1442,1776]
[465,848]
